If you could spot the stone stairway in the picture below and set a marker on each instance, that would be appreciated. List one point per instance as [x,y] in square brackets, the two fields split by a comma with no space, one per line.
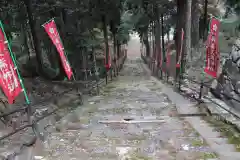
[216,142]
[219,144]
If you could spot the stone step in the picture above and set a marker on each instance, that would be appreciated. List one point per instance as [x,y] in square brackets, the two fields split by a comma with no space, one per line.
[5,130]
[164,154]
[12,150]
[230,155]
[224,148]
[220,141]
[236,122]
[14,144]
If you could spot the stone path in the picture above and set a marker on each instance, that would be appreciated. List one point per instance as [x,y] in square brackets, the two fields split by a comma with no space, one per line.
[129,120]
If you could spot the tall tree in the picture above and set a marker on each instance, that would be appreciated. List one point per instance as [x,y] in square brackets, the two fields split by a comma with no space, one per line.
[187,39]
[195,22]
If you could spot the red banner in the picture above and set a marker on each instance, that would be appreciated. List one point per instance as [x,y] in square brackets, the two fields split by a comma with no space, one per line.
[180,53]
[212,52]
[51,29]
[8,76]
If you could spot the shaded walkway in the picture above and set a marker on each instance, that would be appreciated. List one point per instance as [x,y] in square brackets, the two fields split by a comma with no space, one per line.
[98,131]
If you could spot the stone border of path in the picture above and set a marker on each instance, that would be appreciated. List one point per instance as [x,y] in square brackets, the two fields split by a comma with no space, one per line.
[184,106]
[214,107]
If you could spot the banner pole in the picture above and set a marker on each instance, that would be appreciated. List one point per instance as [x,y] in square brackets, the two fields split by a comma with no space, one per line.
[15,65]
[203,75]
[28,109]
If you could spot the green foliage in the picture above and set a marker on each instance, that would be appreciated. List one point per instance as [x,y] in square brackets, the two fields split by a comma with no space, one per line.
[80,22]
[140,14]
[235,4]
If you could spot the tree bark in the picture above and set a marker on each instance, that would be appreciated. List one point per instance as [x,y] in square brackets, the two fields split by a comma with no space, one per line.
[119,53]
[84,58]
[118,49]
[115,53]
[146,42]
[36,43]
[105,34]
[163,45]
[24,34]
[180,25]
[153,41]
[187,37]
[152,47]
[195,22]
[158,37]
[55,59]
[205,18]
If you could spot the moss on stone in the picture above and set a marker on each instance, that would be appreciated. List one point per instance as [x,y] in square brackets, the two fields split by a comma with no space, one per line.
[197,143]
[226,130]
[136,156]
[207,156]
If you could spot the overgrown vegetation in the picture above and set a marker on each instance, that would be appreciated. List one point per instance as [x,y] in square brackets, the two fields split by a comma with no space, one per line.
[87,27]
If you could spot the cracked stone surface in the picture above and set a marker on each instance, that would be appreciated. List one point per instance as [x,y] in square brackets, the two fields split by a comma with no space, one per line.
[129,120]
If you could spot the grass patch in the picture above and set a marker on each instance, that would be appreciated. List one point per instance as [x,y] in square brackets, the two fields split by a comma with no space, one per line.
[188,129]
[207,156]
[137,138]
[136,156]
[226,130]
[85,120]
[197,143]
[197,134]
[233,138]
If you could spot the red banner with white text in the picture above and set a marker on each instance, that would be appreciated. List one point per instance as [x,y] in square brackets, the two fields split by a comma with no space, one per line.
[51,29]
[180,53]
[9,81]
[212,52]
